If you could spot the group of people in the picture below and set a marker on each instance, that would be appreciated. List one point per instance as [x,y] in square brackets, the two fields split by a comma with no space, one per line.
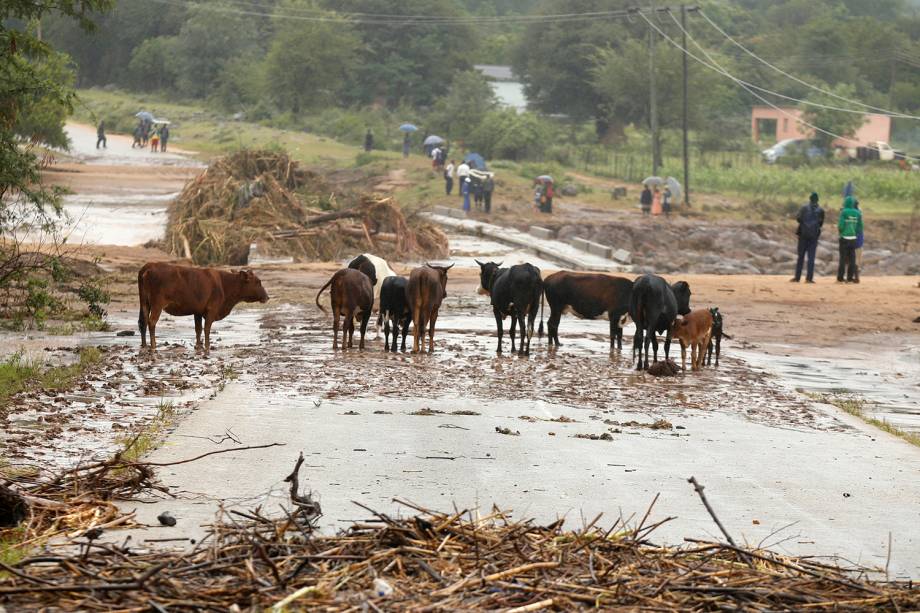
[157,135]
[543,196]
[655,201]
[850,229]
[438,157]
[472,183]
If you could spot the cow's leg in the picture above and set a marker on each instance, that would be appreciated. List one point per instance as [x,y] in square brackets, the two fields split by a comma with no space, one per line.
[366,317]
[386,332]
[637,346]
[693,356]
[350,327]
[654,336]
[718,348]
[208,322]
[522,331]
[498,325]
[434,318]
[553,324]
[198,320]
[152,318]
[418,331]
[405,331]
[667,344]
[532,317]
[683,355]
[335,329]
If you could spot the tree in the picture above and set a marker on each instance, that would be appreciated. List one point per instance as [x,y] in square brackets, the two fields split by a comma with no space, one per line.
[462,109]
[208,40]
[308,63]
[554,59]
[152,65]
[507,134]
[34,89]
[404,62]
[835,122]
[620,82]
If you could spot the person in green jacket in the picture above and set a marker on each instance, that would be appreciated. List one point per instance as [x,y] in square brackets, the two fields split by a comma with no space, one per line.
[850,226]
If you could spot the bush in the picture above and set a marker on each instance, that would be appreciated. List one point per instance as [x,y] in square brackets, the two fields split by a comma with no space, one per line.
[94,296]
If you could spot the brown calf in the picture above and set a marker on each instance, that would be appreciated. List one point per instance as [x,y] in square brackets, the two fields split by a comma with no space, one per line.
[207,293]
[425,290]
[694,329]
[352,296]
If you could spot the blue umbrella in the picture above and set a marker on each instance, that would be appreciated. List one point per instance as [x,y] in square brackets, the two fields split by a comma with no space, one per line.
[433,140]
[145,116]
[408,127]
[476,160]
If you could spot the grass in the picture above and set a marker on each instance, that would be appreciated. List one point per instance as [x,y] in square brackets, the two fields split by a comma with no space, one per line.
[209,132]
[857,408]
[137,444]
[18,374]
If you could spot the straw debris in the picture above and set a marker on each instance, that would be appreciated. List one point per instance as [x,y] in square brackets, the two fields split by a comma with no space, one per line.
[435,562]
[266,198]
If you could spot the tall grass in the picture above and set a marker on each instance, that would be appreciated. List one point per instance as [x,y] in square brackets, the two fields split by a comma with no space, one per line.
[18,373]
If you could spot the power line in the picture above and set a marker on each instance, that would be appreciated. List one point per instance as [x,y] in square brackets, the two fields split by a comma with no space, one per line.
[796,79]
[399,20]
[714,65]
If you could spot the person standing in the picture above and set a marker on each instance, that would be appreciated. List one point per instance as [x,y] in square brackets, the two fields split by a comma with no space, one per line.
[656,202]
[465,192]
[435,157]
[666,201]
[368,141]
[100,135]
[477,191]
[645,200]
[449,178]
[810,220]
[138,136]
[155,140]
[850,226]
[463,173]
[406,143]
[164,138]
[488,186]
[860,239]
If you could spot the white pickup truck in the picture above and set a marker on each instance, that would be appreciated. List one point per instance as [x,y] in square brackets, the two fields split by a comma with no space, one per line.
[874,150]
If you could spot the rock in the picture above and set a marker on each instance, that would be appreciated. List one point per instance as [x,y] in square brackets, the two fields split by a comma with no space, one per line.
[166,519]
[569,189]
[666,368]
[618,193]
[125,333]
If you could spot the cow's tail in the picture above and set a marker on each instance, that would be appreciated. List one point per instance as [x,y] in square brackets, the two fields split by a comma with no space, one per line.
[542,300]
[724,335]
[321,290]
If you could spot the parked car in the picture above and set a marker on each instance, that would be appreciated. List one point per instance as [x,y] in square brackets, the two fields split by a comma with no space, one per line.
[792,147]
[875,150]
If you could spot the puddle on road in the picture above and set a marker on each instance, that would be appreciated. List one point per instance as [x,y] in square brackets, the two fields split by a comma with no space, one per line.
[465,249]
[888,380]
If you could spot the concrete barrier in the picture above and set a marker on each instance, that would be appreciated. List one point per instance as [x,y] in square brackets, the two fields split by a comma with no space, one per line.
[440,210]
[544,233]
[622,256]
[458,213]
[579,243]
[598,249]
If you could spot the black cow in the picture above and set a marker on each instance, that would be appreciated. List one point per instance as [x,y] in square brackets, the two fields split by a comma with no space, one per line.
[654,305]
[363,264]
[587,296]
[514,291]
[394,308]
[716,338]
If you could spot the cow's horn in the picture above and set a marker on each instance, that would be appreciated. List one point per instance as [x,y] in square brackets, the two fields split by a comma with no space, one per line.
[480,263]
[448,267]
[500,263]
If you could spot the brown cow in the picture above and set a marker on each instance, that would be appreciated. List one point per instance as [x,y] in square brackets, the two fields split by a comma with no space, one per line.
[694,329]
[425,290]
[207,293]
[352,296]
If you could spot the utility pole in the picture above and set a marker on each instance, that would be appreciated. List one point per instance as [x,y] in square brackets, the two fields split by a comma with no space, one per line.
[683,25]
[653,97]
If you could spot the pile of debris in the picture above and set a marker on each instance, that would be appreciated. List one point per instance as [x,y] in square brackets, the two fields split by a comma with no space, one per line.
[266,198]
[435,562]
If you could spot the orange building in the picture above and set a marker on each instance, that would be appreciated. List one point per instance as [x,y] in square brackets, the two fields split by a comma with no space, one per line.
[769,125]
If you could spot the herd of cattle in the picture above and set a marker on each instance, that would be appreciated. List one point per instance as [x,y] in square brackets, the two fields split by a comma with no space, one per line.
[518,291]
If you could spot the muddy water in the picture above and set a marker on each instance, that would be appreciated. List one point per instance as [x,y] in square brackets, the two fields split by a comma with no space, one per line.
[887,379]
[116,219]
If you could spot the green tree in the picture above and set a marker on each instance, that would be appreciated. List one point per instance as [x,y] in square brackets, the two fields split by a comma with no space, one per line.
[836,122]
[308,63]
[555,59]
[33,90]
[507,134]
[406,62]
[460,111]
[152,65]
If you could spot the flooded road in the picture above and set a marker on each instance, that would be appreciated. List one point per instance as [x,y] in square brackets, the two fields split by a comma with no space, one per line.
[581,433]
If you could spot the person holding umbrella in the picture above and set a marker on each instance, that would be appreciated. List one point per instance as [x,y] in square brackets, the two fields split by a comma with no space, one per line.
[407,142]
[645,200]
[449,177]
[463,173]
